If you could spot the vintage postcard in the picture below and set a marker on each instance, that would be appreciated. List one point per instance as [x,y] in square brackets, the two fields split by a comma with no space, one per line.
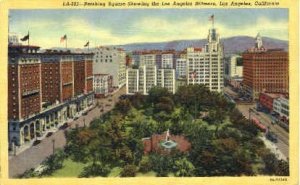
[149,92]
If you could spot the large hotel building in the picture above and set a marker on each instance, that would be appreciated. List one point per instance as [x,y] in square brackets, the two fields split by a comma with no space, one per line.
[265,70]
[45,90]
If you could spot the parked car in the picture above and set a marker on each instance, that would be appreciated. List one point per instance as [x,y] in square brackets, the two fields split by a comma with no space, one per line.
[49,134]
[36,142]
[123,96]
[64,126]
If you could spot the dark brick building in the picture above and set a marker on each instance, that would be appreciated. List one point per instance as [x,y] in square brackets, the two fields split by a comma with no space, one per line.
[45,90]
[24,87]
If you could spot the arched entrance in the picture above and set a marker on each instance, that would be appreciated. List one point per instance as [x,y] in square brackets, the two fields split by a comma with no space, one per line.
[32,131]
[38,128]
[26,133]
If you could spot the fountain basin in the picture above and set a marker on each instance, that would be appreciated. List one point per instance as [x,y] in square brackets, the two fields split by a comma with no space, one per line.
[169,144]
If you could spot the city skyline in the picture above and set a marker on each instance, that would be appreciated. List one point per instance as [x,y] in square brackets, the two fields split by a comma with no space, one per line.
[113,27]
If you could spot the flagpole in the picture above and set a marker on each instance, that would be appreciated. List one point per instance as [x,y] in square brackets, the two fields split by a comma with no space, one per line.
[28,39]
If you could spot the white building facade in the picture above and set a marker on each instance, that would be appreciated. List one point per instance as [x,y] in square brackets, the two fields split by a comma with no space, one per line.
[147,60]
[112,61]
[167,60]
[205,65]
[166,79]
[235,67]
[181,67]
[281,106]
[145,77]
[102,84]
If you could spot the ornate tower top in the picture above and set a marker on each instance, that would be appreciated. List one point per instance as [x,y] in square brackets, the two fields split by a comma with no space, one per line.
[258,42]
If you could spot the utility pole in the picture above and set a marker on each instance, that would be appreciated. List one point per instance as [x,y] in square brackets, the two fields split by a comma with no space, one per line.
[53,146]
[250,113]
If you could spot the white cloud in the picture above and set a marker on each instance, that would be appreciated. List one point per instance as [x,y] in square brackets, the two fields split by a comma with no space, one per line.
[148,29]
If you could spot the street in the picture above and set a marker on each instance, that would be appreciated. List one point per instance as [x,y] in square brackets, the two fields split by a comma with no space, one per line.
[34,155]
[282,135]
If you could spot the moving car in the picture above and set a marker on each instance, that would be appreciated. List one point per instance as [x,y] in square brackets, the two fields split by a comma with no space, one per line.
[272,137]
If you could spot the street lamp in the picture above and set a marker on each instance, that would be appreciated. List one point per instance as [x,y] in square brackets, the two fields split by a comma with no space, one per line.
[250,110]
[14,148]
[53,146]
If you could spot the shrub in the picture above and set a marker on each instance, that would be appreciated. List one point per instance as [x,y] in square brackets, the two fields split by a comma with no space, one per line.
[95,169]
[53,162]
[28,174]
[129,171]
[145,164]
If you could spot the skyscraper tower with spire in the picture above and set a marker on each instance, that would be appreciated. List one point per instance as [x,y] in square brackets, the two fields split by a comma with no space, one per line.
[205,65]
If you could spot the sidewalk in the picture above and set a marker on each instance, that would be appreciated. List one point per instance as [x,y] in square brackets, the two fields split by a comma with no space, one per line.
[31,156]
[274,149]
[27,145]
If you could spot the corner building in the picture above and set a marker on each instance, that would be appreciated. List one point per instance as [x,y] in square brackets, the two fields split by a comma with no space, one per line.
[265,70]
[24,90]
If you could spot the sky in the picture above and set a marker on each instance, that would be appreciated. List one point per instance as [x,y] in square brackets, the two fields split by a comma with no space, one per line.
[123,26]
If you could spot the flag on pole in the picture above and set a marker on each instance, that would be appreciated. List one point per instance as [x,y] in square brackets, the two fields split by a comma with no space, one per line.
[212,19]
[63,38]
[87,44]
[193,75]
[26,37]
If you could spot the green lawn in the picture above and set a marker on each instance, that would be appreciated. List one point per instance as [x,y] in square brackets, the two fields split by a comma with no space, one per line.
[70,169]
[115,172]
[148,174]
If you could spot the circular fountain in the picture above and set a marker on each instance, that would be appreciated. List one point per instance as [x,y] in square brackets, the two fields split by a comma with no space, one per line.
[167,143]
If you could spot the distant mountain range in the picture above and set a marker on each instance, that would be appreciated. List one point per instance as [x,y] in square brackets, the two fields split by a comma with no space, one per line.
[232,45]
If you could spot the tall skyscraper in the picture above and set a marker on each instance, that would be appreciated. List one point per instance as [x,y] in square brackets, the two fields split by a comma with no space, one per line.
[205,65]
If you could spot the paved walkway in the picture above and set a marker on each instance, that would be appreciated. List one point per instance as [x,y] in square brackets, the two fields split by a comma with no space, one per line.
[33,156]
[274,149]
